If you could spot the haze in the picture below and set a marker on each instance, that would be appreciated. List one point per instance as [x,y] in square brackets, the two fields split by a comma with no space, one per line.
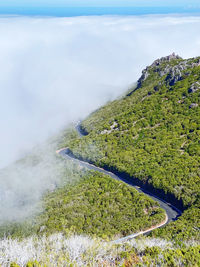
[55,71]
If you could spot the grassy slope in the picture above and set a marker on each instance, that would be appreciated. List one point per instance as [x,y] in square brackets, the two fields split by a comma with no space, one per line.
[153,134]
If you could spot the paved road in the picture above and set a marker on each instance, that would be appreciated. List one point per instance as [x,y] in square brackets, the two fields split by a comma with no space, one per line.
[171,211]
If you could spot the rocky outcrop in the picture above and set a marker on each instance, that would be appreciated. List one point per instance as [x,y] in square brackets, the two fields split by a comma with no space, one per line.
[176,73]
[173,73]
[156,67]
[194,105]
[194,87]
[161,60]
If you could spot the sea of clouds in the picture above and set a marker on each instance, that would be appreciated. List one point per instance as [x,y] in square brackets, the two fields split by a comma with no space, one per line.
[54,71]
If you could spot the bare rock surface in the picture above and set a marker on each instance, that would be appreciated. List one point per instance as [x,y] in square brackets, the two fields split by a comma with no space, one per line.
[173,73]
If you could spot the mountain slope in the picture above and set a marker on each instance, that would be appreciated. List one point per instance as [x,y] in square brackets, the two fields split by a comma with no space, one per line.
[152,133]
[78,201]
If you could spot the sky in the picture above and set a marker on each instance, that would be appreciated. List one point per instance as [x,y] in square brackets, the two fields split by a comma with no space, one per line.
[55,71]
[71,8]
[113,3]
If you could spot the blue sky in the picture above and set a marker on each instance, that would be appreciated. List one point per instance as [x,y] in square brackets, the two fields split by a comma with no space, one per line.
[96,3]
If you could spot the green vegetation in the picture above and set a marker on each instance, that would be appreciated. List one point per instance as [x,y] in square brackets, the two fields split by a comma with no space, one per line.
[83,202]
[153,134]
[69,175]
[155,256]
[101,206]
[96,205]
[186,228]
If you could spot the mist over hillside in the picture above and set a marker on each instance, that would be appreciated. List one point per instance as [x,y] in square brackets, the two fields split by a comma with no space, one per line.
[25,182]
[55,71]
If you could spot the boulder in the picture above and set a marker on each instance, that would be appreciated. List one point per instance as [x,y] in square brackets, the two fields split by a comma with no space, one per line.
[194,87]
[193,105]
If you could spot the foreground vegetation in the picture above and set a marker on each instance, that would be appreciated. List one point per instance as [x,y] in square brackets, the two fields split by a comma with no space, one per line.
[77,251]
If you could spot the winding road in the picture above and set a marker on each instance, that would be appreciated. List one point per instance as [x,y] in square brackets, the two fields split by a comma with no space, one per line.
[171,211]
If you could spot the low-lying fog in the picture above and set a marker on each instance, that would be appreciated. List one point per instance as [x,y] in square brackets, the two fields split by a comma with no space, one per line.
[54,71]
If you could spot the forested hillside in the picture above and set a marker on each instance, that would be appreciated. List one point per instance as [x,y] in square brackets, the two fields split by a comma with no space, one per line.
[99,205]
[152,134]
[81,201]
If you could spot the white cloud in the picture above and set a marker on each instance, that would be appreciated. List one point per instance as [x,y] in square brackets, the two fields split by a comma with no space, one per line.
[56,70]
